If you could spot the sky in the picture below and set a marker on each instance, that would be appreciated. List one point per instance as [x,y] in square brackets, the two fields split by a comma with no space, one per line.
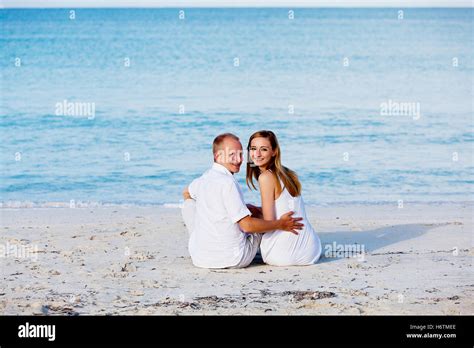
[234,3]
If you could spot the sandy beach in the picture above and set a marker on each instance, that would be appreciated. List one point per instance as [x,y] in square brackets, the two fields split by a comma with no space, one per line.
[134,260]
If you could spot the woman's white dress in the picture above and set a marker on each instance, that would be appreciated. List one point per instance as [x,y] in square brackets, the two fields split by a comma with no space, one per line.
[282,248]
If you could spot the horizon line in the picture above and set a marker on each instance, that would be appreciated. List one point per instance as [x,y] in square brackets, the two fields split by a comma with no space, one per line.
[6,4]
[233,7]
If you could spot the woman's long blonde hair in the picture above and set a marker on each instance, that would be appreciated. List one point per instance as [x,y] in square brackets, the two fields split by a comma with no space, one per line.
[287,176]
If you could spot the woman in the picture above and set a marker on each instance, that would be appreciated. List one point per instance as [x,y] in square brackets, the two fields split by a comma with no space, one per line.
[280,191]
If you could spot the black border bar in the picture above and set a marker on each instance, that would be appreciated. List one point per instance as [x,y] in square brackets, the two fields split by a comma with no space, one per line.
[242,330]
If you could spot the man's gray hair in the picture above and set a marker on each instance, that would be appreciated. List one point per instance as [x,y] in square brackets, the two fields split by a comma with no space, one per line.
[220,139]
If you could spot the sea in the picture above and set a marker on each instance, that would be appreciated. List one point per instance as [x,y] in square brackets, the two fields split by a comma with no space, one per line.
[120,106]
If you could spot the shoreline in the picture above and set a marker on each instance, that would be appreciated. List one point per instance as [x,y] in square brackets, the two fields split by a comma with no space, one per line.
[106,260]
[178,205]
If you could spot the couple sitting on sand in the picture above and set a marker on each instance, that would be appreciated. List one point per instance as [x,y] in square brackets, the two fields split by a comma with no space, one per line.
[227,233]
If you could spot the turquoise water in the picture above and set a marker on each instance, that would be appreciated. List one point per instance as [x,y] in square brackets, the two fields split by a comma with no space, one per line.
[155,119]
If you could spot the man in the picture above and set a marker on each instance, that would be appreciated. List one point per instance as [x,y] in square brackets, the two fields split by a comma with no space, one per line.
[223,234]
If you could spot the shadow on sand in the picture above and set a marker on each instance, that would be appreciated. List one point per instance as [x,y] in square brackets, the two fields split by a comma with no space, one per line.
[365,241]
[368,241]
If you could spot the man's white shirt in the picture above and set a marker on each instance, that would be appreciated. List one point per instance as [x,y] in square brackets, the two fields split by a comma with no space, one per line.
[216,240]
